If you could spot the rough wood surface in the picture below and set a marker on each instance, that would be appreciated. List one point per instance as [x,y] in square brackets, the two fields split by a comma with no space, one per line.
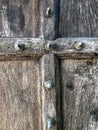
[19,18]
[79,90]
[36,47]
[50,102]
[26,18]
[78,18]
[20,97]
[49,25]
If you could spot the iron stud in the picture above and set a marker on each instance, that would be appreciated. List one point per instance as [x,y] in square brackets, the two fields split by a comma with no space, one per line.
[48,85]
[48,12]
[50,123]
[49,46]
[19,46]
[78,45]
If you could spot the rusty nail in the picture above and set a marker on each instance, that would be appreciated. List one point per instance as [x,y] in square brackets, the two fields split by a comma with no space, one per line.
[78,45]
[48,85]
[50,123]
[48,12]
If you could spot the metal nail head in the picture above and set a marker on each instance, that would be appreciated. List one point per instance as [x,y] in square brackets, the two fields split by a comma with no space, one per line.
[48,12]
[48,85]
[19,46]
[50,123]
[79,45]
[49,46]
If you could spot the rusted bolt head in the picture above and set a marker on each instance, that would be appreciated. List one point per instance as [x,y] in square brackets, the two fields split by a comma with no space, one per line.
[50,123]
[48,12]
[49,46]
[19,46]
[48,85]
[78,45]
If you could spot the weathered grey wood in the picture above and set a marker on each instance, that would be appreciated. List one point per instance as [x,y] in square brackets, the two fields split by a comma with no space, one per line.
[49,25]
[65,48]
[19,18]
[26,18]
[35,48]
[20,95]
[78,18]
[79,90]
[50,102]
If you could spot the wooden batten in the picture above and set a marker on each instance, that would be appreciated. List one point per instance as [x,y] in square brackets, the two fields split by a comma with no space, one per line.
[11,48]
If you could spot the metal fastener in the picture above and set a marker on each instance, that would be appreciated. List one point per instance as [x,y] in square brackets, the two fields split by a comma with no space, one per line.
[48,12]
[50,123]
[19,46]
[78,45]
[48,85]
[49,46]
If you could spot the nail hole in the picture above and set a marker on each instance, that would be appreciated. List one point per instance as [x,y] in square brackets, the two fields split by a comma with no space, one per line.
[89,63]
[69,85]
[94,114]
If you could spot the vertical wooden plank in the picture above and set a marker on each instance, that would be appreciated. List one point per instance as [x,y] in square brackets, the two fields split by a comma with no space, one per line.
[49,103]
[49,25]
[19,18]
[78,18]
[79,85]
[20,95]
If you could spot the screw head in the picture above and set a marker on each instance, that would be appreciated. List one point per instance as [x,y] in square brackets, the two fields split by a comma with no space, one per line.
[19,46]
[48,12]
[49,46]
[48,85]
[79,45]
[50,123]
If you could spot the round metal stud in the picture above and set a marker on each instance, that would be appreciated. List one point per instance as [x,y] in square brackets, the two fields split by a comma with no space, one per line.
[19,46]
[79,45]
[48,85]
[49,46]
[48,12]
[50,123]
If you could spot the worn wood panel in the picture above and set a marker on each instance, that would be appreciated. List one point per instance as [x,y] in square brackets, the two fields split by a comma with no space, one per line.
[50,98]
[19,18]
[26,18]
[79,90]
[36,47]
[78,18]
[49,25]
[20,98]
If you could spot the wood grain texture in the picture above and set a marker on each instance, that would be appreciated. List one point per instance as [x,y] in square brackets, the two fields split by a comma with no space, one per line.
[49,25]
[19,18]
[20,99]
[50,98]
[36,47]
[26,18]
[78,18]
[79,87]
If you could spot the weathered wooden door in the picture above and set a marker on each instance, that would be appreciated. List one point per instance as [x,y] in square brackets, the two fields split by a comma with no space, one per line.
[48,82]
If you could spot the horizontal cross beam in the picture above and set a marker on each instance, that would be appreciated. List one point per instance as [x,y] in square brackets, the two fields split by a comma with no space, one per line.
[28,48]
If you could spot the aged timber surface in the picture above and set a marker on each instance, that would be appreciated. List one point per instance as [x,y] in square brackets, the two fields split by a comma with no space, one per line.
[26,18]
[19,18]
[79,90]
[50,98]
[20,102]
[10,48]
[78,18]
